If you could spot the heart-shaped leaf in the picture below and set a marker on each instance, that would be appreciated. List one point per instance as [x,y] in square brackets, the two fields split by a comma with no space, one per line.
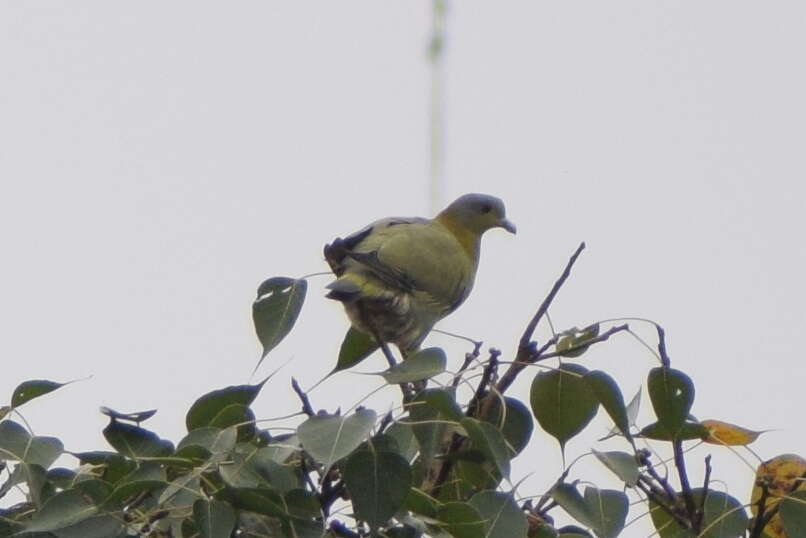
[687,432]
[608,508]
[206,408]
[135,442]
[356,347]
[17,444]
[609,395]
[672,394]
[424,364]
[461,520]
[502,516]
[329,438]
[622,464]
[562,402]
[378,483]
[567,496]
[278,304]
[793,513]
[34,388]
[514,421]
[214,519]
[62,510]
[490,441]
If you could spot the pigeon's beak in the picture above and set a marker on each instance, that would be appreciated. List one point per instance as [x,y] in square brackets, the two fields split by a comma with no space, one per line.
[508,226]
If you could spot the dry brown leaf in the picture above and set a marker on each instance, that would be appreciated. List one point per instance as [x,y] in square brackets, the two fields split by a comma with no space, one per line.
[725,433]
[783,475]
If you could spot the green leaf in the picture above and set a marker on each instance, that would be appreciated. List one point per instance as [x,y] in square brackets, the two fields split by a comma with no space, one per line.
[622,464]
[687,432]
[302,503]
[17,444]
[517,422]
[609,395]
[502,516]
[39,488]
[148,476]
[632,415]
[215,519]
[724,517]
[261,500]
[378,483]
[672,394]
[206,408]
[97,526]
[430,413]
[215,440]
[279,301]
[329,438]
[17,476]
[562,402]
[62,510]
[236,415]
[116,466]
[608,508]
[490,441]
[283,447]
[135,442]
[424,364]
[136,417]
[251,467]
[793,513]
[567,496]
[443,401]
[183,491]
[302,528]
[419,502]
[461,520]
[403,434]
[28,390]
[356,347]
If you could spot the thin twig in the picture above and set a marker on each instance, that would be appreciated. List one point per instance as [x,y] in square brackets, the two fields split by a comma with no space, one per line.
[469,358]
[656,495]
[664,355]
[587,343]
[530,328]
[306,403]
[488,377]
[526,347]
[643,459]
[685,486]
[705,483]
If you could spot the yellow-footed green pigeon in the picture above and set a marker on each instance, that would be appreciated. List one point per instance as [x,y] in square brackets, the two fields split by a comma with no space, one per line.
[398,276]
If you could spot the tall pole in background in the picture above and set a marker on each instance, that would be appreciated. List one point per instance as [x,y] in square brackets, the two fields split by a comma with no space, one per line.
[436,54]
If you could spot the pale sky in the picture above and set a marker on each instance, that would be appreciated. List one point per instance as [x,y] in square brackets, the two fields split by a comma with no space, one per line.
[160,159]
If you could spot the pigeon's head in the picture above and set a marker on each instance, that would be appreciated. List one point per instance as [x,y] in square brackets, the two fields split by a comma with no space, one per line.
[477,213]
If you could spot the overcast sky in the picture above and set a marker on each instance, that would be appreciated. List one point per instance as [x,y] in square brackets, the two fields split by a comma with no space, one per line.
[160,159]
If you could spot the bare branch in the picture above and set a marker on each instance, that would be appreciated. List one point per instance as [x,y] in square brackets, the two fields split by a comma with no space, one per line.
[530,329]
[306,403]
[685,486]
[664,355]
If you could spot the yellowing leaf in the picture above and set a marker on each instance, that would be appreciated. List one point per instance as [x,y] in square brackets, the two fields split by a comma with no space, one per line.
[725,433]
[782,474]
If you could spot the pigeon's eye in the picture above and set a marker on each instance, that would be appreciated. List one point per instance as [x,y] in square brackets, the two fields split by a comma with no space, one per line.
[486,208]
